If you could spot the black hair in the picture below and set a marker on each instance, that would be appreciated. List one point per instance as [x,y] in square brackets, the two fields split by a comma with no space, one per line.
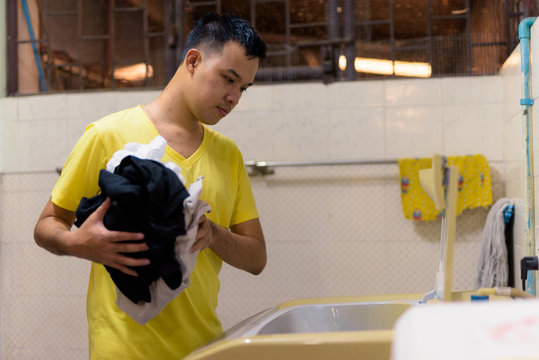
[213,31]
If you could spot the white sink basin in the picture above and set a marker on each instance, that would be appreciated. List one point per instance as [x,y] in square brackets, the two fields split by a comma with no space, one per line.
[333,317]
[316,318]
[332,330]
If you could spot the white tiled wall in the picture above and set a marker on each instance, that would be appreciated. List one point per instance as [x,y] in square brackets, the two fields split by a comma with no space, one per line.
[370,120]
[330,230]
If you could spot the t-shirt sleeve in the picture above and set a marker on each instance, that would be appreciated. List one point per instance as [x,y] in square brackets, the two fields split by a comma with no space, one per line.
[80,172]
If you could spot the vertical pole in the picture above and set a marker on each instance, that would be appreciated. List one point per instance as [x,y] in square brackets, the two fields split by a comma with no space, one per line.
[44,19]
[333,19]
[392,34]
[450,230]
[146,40]
[180,16]
[79,41]
[469,35]
[112,44]
[170,39]
[527,128]
[253,13]
[333,33]
[107,56]
[287,37]
[508,37]
[12,48]
[429,31]
[349,34]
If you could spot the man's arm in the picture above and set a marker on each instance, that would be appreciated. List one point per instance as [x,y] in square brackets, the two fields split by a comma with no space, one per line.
[92,241]
[243,246]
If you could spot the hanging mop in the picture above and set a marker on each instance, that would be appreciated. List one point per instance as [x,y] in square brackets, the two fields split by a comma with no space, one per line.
[492,269]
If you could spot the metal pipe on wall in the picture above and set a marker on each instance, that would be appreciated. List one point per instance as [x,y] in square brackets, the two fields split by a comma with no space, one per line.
[257,168]
[527,128]
[333,34]
[349,33]
[12,49]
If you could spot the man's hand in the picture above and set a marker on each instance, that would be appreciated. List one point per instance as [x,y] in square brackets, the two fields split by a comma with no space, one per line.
[242,246]
[92,241]
[204,234]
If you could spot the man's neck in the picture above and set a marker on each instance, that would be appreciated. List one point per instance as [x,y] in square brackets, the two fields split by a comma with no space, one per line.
[180,129]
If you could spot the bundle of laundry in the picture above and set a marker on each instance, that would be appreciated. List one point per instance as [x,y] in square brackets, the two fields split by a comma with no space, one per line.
[149,197]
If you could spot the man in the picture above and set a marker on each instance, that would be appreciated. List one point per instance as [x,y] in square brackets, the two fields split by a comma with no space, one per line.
[220,62]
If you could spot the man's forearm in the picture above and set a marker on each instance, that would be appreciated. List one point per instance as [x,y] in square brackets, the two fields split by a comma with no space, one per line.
[246,252]
[50,234]
[91,241]
[53,229]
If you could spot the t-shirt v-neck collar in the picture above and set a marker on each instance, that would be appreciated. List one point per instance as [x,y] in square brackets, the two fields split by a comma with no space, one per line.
[173,153]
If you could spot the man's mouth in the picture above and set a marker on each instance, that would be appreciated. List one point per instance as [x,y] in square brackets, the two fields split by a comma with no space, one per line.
[223,111]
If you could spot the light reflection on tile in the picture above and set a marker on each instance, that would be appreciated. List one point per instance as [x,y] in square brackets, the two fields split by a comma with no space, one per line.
[473,129]
[356,134]
[413,131]
[413,92]
[472,90]
[309,97]
[51,106]
[356,94]
[301,135]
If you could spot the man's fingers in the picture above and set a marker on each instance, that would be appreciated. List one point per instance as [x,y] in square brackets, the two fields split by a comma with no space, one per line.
[102,209]
[119,236]
[200,244]
[196,246]
[125,269]
[123,260]
[123,263]
[203,236]
[131,247]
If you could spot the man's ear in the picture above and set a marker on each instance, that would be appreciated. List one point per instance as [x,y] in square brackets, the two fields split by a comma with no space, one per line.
[192,59]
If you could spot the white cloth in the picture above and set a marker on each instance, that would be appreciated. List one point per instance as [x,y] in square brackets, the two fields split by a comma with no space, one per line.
[193,209]
[493,269]
[152,151]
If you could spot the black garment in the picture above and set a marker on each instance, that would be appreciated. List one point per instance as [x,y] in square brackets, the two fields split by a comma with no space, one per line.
[146,197]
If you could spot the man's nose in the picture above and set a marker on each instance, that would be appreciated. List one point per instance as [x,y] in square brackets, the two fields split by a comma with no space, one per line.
[233,96]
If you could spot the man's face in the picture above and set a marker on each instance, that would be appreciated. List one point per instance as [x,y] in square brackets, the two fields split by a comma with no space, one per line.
[219,81]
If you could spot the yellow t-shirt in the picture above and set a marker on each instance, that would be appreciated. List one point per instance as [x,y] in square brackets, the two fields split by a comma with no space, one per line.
[189,320]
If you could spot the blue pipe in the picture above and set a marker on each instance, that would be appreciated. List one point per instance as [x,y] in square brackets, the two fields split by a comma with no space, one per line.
[527,128]
[42,83]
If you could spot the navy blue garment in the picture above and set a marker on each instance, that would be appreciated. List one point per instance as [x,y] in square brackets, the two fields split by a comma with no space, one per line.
[146,197]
